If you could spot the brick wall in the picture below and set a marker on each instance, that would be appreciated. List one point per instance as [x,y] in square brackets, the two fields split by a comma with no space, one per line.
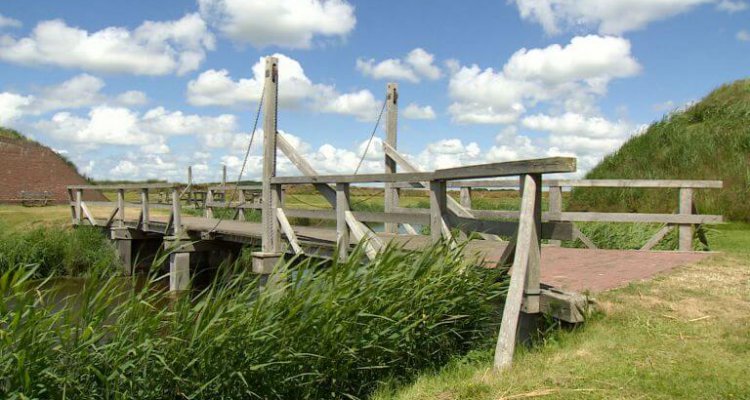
[29,166]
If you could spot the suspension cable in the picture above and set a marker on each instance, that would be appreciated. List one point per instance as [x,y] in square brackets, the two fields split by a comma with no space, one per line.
[244,161]
[372,135]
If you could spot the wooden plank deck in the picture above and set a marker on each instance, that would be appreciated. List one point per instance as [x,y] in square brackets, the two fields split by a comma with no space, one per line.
[575,270]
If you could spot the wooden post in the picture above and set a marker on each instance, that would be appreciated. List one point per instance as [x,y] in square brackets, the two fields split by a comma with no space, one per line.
[555,208]
[223,176]
[209,208]
[121,206]
[78,212]
[176,213]
[342,228]
[144,208]
[523,257]
[438,209]
[265,261]
[465,197]
[179,272]
[391,138]
[686,230]
[191,196]
[241,199]
[532,287]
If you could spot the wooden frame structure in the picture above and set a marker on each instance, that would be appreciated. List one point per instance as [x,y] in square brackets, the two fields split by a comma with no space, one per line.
[276,236]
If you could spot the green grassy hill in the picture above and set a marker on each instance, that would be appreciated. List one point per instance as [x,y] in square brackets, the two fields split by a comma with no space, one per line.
[708,140]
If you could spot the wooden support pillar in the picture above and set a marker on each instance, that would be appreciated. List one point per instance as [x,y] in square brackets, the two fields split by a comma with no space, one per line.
[223,176]
[438,210]
[265,260]
[144,209]
[391,138]
[465,197]
[686,230]
[209,209]
[241,198]
[78,211]
[179,272]
[526,248]
[190,194]
[529,317]
[121,207]
[125,252]
[342,228]
[176,214]
[555,208]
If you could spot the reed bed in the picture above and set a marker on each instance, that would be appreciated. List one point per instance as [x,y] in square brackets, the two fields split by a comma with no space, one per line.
[327,331]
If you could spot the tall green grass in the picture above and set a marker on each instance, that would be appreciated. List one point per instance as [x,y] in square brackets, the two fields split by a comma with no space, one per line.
[329,331]
[708,140]
[57,250]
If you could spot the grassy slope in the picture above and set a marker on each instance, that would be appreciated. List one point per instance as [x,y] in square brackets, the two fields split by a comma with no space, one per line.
[683,335]
[709,140]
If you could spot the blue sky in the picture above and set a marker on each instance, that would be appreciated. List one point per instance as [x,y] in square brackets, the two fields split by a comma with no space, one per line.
[128,90]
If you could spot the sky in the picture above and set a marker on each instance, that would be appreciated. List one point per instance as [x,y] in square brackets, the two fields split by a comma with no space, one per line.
[132,90]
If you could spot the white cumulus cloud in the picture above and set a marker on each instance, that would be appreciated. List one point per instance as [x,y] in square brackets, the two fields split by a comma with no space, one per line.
[7,22]
[571,76]
[418,64]
[12,106]
[153,48]
[415,111]
[286,23]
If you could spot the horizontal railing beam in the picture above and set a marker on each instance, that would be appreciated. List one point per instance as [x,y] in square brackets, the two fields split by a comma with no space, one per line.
[603,183]
[538,166]
[130,186]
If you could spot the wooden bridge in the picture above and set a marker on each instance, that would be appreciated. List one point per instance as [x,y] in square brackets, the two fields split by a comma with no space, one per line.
[542,278]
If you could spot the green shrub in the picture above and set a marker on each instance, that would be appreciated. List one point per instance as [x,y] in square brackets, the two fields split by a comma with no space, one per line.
[57,250]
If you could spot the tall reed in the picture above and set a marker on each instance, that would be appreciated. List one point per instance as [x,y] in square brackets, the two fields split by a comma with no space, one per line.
[329,331]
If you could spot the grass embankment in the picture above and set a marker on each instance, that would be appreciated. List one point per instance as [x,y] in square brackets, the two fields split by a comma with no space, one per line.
[683,335]
[333,332]
[708,140]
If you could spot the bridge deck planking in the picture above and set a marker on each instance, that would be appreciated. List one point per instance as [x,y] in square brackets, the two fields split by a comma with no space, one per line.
[566,268]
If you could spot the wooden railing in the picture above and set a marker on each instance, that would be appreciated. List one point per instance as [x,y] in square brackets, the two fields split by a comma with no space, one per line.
[81,212]
[686,219]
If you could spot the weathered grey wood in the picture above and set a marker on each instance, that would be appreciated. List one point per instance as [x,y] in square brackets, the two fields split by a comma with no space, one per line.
[533,271]
[121,206]
[324,189]
[465,197]
[362,234]
[179,272]
[438,211]
[257,188]
[242,201]
[565,306]
[270,134]
[410,229]
[79,200]
[176,214]
[686,230]
[342,228]
[144,209]
[391,137]
[125,253]
[625,217]
[604,183]
[124,186]
[453,205]
[234,204]
[583,238]
[510,168]
[364,216]
[111,217]
[286,227]
[208,207]
[555,207]
[506,341]
[658,236]
[224,175]
[87,213]
[554,230]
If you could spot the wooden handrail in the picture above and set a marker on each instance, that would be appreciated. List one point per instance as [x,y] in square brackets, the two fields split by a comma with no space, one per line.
[512,168]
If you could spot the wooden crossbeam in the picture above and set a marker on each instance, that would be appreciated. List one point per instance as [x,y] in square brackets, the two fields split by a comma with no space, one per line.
[286,227]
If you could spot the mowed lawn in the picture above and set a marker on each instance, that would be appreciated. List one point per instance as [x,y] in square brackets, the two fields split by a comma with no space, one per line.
[684,335]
